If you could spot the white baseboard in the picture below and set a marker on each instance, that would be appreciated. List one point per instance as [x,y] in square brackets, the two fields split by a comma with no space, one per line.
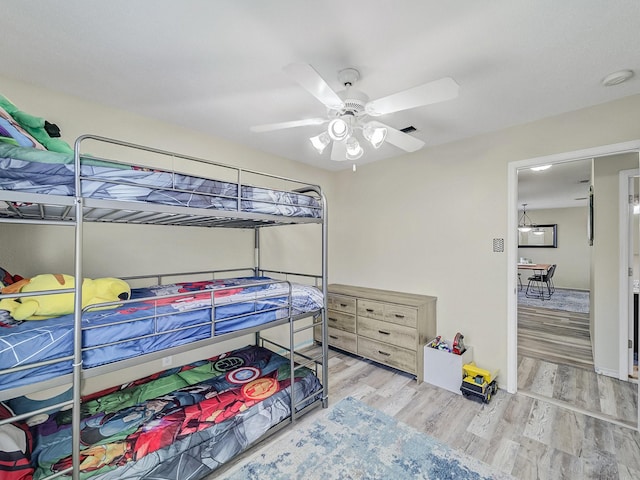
[607,371]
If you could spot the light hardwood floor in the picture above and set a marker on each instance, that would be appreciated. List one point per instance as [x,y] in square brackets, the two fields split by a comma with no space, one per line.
[526,437]
[555,336]
[577,388]
[555,362]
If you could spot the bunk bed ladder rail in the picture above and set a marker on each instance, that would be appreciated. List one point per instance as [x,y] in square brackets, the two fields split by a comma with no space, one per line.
[76,416]
[323,358]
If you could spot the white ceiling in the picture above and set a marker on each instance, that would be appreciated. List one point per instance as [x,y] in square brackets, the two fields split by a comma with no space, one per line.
[564,185]
[216,66]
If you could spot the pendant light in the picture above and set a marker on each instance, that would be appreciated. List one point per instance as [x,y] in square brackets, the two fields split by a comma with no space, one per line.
[525,224]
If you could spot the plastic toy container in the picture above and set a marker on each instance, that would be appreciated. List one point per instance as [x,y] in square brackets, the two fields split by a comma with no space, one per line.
[444,369]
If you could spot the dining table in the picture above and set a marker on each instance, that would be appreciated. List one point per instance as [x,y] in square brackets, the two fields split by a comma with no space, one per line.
[543,267]
[539,269]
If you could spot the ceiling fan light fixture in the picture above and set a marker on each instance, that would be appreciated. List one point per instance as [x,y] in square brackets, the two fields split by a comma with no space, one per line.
[347,112]
[320,142]
[375,135]
[354,150]
[338,129]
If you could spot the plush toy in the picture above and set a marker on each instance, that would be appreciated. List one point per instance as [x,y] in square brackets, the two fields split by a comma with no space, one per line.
[40,307]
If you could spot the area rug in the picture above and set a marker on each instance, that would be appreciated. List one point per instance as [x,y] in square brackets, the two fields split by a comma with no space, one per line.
[562,299]
[354,441]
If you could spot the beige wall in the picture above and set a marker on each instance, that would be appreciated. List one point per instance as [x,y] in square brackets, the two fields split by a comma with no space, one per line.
[573,255]
[605,311]
[442,208]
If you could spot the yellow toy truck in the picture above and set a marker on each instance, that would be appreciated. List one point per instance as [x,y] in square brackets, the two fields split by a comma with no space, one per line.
[478,382]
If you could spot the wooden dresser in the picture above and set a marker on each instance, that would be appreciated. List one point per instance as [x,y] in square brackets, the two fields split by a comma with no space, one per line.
[385,326]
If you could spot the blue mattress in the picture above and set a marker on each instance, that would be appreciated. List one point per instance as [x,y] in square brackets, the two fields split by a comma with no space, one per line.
[150,323]
[45,172]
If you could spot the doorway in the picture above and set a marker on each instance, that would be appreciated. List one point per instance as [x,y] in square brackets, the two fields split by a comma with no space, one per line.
[553,323]
[595,327]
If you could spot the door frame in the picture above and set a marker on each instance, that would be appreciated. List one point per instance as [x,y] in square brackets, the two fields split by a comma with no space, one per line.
[512,239]
[625,280]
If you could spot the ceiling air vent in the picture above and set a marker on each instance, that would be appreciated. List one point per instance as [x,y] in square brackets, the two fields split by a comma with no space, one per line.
[409,129]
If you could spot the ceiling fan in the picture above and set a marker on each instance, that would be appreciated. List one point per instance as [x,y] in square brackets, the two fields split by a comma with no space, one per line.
[350,111]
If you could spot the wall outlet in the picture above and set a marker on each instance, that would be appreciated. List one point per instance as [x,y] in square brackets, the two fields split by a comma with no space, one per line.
[167,361]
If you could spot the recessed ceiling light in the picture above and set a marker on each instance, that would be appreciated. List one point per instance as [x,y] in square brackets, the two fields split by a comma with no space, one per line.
[616,78]
[540,168]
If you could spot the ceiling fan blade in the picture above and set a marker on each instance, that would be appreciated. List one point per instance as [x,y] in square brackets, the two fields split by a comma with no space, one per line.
[426,94]
[339,151]
[282,125]
[309,79]
[400,139]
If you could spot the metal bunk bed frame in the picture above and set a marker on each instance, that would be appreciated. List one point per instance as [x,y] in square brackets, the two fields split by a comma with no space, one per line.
[76,210]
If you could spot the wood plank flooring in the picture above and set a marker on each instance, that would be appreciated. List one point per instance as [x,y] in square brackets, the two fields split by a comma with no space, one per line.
[555,362]
[555,336]
[579,389]
[525,437]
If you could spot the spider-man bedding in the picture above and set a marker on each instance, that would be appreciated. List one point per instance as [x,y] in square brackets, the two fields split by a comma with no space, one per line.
[182,423]
[151,323]
[44,172]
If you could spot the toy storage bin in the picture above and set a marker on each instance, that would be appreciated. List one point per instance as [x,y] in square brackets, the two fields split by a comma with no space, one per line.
[444,369]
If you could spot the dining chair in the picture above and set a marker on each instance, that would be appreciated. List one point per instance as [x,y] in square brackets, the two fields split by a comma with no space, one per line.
[541,284]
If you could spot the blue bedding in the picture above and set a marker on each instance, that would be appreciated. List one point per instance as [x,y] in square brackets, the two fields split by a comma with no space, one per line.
[44,172]
[151,322]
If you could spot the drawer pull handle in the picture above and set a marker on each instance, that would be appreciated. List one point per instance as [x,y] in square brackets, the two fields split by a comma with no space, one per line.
[370,310]
[333,337]
[383,332]
[399,315]
[333,319]
[384,353]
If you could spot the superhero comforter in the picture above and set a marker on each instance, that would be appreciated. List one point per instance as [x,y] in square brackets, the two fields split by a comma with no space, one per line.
[150,429]
[153,321]
[44,172]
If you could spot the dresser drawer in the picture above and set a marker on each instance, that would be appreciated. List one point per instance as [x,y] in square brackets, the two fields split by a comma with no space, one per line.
[401,315]
[341,303]
[369,309]
[400,358]
[386,332]
[338,338]
[342,321]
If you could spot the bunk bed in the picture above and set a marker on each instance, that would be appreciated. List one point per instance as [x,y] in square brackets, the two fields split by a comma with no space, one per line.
[212,409]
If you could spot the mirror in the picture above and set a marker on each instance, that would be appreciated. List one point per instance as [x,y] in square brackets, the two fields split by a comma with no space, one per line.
[542,236]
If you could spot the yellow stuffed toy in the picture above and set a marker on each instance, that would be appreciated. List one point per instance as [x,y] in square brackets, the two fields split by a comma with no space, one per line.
[40,307]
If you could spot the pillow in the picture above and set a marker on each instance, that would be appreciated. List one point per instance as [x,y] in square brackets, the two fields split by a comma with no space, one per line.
[11,129]
[37,400]
[35,126]
[16,445]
